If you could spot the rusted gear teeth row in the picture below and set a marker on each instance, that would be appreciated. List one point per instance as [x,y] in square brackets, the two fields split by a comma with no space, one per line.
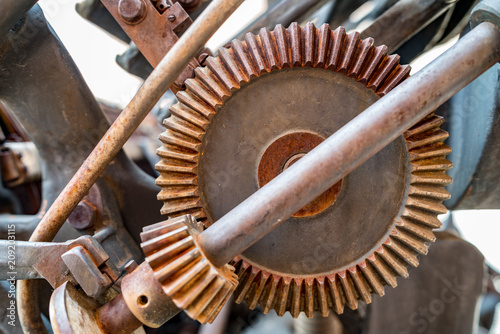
[336,51]
[409,238]
[186,276]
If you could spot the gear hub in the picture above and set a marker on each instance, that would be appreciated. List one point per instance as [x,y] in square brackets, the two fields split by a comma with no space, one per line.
[256,109]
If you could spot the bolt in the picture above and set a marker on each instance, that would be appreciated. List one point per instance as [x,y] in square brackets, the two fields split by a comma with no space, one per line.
[171,18]
[132,11]
[83,216]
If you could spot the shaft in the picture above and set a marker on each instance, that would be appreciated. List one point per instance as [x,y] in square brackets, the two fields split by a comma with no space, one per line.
[352,145]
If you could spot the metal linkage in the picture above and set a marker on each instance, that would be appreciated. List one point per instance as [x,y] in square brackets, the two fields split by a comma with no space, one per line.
[345,150]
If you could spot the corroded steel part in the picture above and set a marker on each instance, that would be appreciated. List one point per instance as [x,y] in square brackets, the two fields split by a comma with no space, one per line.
[322,49]
[186,276]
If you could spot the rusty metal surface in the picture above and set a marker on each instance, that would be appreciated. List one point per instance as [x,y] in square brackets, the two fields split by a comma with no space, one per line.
[116,317]
[311,80]
[405,19]
[145,298]
[283,153]
[72,312]
[187,278]
[345,150]
[154,28]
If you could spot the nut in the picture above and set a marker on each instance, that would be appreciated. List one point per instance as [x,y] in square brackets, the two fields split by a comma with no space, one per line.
[83,216]
[132,11]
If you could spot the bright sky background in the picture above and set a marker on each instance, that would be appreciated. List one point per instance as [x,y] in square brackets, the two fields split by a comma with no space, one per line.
[94,52]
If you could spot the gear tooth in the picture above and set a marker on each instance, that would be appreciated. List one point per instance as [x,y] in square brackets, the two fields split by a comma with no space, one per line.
[166,231]
[296,297]
[430,151]
[429,165]
[393,262]
[412,242]
[309,297]
[381,267]
[361,285]
[348,290]
[196,87]
[179,125]
[430,137]
[269,298]
[282,298]
[192,274]
[349,51]
[179,205]
[241,53]
[425,125]
[403,252]
[168,193]
[196,104]
[196,213]
[246,279]
[323,41]
[208,79]
[333,289]
[295,33]
[175,166]
[223,296]
[171,179]
[172,152]
[189,115]
[187,298]
[270,49]
[200,308]
[181,140]
[253,302]
[336,42]
[375,58]
[362,53]
[321,296]
[229,59]
[423,232]
[383,71]
[397,76]
[284,56]
[421,217]
[372,278]
[256,51]
[227,79]
[308,44]
[426,205]
[430,178]
[162,273]
[438,193]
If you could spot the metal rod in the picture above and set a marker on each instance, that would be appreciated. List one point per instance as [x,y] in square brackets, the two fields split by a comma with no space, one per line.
[403,20]
[352,145]
[127,122]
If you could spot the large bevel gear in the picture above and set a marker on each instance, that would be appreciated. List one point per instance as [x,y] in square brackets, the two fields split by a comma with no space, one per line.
[297,86]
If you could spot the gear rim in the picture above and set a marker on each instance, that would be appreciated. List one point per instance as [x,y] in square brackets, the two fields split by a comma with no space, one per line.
[355,58]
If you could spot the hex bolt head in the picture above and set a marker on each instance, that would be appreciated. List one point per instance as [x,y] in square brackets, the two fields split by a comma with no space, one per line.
[132,11]
[83,216]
